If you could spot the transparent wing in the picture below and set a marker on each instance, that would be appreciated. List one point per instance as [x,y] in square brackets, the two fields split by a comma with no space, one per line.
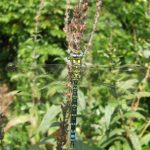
[96,80]
[102,75]
[26,66]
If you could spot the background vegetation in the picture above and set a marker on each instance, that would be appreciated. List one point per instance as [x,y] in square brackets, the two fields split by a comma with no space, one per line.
[114,106]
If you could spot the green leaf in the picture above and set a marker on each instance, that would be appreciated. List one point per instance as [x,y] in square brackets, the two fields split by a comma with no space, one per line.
[48,118]
[18,120]
[134,114]
[112,148]
[54,87]
[126,146]
[118,145]
[116,131]
[145,139]
[135,141]
[125,85]
[145,147]
[138,94]
[18,76]
[79,145]
[51,50]
[81,100]
[48,141]
[109,110]
[12,93]
[143,94]
[111,140]
[146,53]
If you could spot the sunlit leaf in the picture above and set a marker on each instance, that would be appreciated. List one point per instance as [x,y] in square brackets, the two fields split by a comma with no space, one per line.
[138,94]
[145,139]
[112,148]
[18,76]
[54,87]
[109,110]
[135,141]
[127,84]
[48,118]
[18,120]
[134,114]
[126,146]
[81,100]
[146,53]
[79,145]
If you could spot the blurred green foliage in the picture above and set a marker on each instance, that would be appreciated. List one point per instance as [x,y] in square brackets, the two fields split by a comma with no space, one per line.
[106,120]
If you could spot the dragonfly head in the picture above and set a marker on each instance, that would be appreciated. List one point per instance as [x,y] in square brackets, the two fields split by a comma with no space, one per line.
[76,55]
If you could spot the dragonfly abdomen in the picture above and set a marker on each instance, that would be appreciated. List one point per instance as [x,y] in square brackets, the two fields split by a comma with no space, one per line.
[75,76]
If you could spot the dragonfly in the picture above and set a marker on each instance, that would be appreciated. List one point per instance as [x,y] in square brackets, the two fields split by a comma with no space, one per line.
[94,72]
[105,77]
[55,68]
[110,77]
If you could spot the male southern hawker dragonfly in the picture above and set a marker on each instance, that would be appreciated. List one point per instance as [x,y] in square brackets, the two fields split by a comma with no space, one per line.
[104,83]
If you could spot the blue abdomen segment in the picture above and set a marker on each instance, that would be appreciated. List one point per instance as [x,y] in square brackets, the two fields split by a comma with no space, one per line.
[72,136]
